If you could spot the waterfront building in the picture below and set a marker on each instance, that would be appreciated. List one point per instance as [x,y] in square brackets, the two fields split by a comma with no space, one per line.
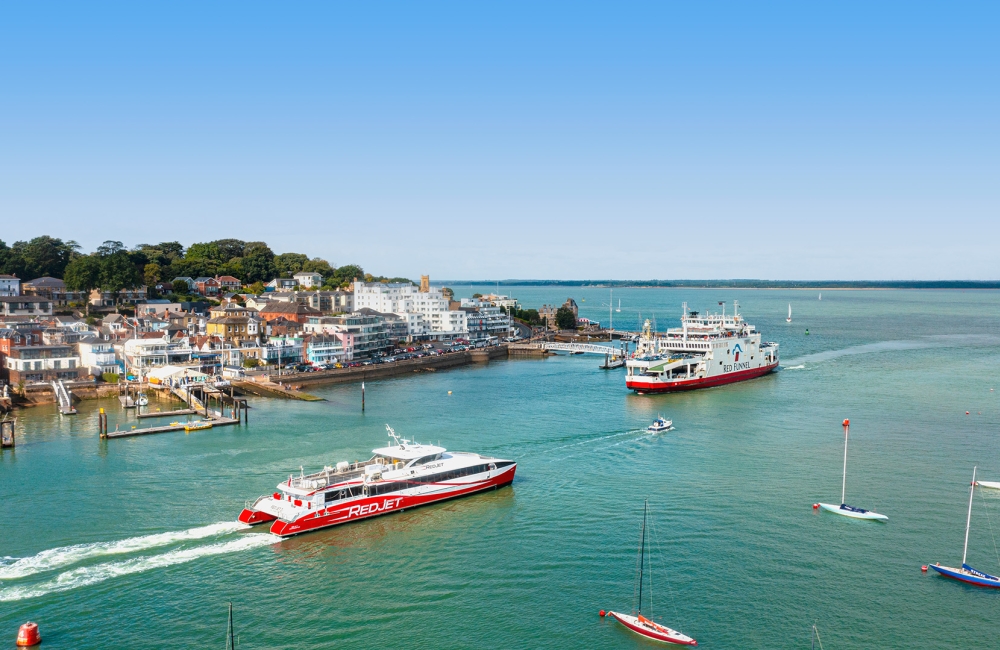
[10,286]
[52,289]
[97,356]
[362,335]
[107,299]
[42,364]
[485,323]
[308,279]
[293,311]
[234,329]
[281,350]
[24,306]
[548,312]
[159,307]
[280,284]
[229,284]
[322,348]
[427,314]
[141,354]
[325,301]
[206,286]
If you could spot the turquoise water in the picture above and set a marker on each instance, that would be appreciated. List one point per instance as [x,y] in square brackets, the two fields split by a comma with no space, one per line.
[740,558]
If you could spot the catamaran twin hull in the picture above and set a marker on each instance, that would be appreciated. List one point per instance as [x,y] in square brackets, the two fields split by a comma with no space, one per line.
[398,477]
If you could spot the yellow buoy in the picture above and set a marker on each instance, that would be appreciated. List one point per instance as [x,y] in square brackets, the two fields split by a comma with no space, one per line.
[449,392]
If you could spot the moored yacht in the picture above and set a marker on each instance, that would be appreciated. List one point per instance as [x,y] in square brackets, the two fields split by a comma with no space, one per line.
[400,476]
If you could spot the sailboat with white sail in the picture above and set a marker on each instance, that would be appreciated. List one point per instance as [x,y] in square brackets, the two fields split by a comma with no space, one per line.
[639,623]
[967,573]
[843,508]
[619,306]
[789,319]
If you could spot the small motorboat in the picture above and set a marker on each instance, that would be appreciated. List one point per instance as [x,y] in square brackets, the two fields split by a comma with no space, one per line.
[142,400]
[660,424]
[198,425]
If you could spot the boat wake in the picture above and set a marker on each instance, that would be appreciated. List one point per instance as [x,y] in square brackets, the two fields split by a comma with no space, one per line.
[937,341]
[90,575]
[801,366]
[56,558]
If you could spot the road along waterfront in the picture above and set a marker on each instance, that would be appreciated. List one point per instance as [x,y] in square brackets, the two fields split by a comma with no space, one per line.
[132,542]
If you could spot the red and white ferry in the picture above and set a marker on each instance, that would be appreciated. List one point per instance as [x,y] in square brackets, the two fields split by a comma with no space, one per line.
[400,476]
[705,351]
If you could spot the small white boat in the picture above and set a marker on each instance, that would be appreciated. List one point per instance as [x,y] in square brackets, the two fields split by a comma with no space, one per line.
[660,424]
[789,319]
[619,306]
[843,508]
[142,400]
[989,484]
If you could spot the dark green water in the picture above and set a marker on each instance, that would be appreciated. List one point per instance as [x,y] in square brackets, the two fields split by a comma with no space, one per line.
[740,558]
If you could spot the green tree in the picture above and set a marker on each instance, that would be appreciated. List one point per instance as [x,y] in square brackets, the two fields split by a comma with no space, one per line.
[118,272]
[181,287]
[258,263]
[256,288]
[41,256]
[565,318]
[229,248]
[287,264]
[152,273]
[317,265]
[5,258]
[206,251]
[346,274]
[83,274]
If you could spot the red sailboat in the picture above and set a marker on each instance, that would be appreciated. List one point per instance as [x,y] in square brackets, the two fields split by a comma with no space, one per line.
[639,623]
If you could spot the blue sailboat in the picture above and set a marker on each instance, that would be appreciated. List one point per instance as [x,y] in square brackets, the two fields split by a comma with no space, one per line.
[967,573]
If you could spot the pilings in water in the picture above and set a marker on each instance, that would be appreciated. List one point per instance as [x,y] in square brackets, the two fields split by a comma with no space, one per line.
[7,433]
[102,423]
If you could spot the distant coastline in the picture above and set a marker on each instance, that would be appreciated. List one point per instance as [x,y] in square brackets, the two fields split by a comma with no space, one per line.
[742,284]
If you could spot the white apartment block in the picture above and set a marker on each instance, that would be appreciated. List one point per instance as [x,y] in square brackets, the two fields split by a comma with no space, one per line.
[426,313]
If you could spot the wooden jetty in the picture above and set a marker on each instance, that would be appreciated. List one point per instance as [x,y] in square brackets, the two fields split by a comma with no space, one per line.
[167,414]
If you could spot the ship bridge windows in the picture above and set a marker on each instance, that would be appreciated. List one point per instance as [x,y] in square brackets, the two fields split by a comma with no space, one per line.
[427,459]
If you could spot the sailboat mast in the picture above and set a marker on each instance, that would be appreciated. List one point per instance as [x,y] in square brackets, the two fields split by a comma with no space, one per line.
[968,517]
[642,553]
[843,487]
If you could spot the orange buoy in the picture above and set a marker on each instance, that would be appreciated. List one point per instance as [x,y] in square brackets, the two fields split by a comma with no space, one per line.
[815,506]
[28,635]
[966,412]
[847,422]
[924,568]
[602,612]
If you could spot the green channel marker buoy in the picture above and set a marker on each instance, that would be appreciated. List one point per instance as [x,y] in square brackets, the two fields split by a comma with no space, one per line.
[807,332]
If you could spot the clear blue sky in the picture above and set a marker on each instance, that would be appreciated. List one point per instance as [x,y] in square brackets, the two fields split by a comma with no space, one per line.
[536,140]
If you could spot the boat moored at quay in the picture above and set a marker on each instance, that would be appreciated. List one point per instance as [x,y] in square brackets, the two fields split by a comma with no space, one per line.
[400,476]
[706,350]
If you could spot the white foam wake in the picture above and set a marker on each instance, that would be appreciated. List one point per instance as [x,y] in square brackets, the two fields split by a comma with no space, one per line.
[55,558]
[90,575]
[798,367]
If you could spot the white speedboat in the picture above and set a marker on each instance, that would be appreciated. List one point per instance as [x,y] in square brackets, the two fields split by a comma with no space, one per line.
[989,484]
[660,424]
[398,477]
[142,400]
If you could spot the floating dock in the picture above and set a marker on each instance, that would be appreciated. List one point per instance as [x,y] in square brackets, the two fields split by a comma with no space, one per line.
[144,431]
[168,414]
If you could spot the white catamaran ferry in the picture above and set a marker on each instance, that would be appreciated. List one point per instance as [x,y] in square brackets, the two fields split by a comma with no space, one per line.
[705,351]
[403,475]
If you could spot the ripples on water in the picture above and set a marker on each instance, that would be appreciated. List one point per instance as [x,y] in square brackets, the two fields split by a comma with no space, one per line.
[118,550]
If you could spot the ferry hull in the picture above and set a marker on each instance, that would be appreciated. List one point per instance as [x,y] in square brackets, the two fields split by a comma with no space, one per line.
[380,505]
[254,517]
[642,387]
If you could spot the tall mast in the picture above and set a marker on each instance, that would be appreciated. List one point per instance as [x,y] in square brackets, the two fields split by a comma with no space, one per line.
[968,518]
[642,553]
[843,488]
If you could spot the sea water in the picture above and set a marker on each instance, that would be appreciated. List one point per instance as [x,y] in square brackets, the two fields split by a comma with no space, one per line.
[133,543]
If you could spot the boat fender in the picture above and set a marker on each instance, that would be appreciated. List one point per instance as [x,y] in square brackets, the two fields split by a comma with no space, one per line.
[924,568]
[277,496]
[601,612]
[815,506]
